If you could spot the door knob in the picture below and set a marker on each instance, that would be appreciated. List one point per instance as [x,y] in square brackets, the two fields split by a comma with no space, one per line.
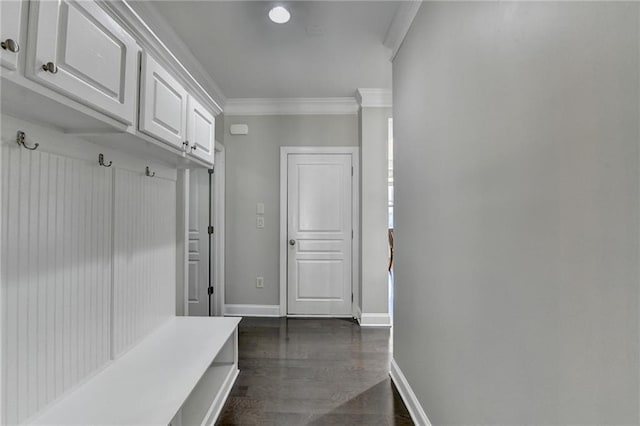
[50,67]
[292,242]
[11,45]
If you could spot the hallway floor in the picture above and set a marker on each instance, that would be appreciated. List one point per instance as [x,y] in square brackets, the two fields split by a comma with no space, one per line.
[313,372]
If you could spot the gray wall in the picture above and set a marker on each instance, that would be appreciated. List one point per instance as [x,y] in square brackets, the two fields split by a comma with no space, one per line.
[252,176]
[374,246]
[220,129]
[516,160]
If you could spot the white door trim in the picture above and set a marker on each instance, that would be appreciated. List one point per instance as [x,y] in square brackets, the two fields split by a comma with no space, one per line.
[218,234]
[355,215]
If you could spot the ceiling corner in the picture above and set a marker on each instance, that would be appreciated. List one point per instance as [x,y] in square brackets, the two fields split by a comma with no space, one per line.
[374,98]
[400,25]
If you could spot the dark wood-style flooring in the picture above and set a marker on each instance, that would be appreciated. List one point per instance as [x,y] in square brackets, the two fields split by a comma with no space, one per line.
[313,372]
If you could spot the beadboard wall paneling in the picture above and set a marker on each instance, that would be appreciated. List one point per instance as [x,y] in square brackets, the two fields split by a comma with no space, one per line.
[144,256]
[56,276]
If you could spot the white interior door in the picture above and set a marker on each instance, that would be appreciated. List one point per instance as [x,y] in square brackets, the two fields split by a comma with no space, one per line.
[319,229]
[198,297]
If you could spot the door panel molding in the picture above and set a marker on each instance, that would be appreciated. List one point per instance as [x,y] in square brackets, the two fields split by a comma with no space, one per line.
[285,151]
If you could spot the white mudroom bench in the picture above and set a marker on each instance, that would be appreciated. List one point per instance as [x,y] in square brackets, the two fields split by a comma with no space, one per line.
[180,374]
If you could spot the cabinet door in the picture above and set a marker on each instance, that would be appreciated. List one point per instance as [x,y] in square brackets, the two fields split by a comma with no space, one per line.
[163,104]
[200,131]
[77,49]
[11,12]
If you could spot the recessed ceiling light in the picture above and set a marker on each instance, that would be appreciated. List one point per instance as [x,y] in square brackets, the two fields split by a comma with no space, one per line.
[279,15]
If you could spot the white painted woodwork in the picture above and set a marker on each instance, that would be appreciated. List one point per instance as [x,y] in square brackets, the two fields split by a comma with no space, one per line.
[144,256]
[163,104]
[201,126]
[96,59]
[11,14]
[56,276]
[218,208]
[157,37]
[198,271]
[319,199]
[151,382]
[291,106]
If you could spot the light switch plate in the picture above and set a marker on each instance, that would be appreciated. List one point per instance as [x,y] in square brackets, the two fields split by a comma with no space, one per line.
[260,222]
[260,208]
[259,282]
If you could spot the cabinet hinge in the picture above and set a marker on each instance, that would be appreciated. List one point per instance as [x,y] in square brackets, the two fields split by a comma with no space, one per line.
[210,230]
[209,291]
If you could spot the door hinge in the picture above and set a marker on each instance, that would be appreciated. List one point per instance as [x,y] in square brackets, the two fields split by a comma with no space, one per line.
[209,291]
[351,297]
[210,230]
[351,170]
[352,234]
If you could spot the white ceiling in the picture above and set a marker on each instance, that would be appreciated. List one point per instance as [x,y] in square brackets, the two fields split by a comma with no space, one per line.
[327,49]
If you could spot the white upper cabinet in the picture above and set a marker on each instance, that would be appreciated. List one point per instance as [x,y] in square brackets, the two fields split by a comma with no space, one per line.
[163,104]
[200,131]
[77,49]
[11,12]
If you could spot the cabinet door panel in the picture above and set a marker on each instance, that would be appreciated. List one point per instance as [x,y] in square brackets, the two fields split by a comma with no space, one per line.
[11,12]
[163,104]
[82,36]
[95,59]
[200,131]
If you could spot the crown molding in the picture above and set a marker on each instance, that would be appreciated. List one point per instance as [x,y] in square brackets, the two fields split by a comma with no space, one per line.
[374,98]
[290,106]
[143,21]
[400,25]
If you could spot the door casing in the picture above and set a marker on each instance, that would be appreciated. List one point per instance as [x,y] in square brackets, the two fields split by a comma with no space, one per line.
[218,244]
[218,234]
[285,151]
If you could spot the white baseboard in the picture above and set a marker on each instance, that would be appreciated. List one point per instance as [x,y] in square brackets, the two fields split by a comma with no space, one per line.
[374,320]
[252,310]
[416,411]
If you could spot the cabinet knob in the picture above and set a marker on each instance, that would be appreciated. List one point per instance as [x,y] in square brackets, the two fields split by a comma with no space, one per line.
[185,145]
[50,67]
[193,148]
[11,45]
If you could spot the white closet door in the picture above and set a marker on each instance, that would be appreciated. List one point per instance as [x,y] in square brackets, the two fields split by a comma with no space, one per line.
[145,256]
[56,276]
[163,104]
[201,129]
[92,59]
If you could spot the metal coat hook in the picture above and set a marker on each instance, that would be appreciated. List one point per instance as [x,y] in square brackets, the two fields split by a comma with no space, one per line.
[149,173]
[20,139]
[101,161]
